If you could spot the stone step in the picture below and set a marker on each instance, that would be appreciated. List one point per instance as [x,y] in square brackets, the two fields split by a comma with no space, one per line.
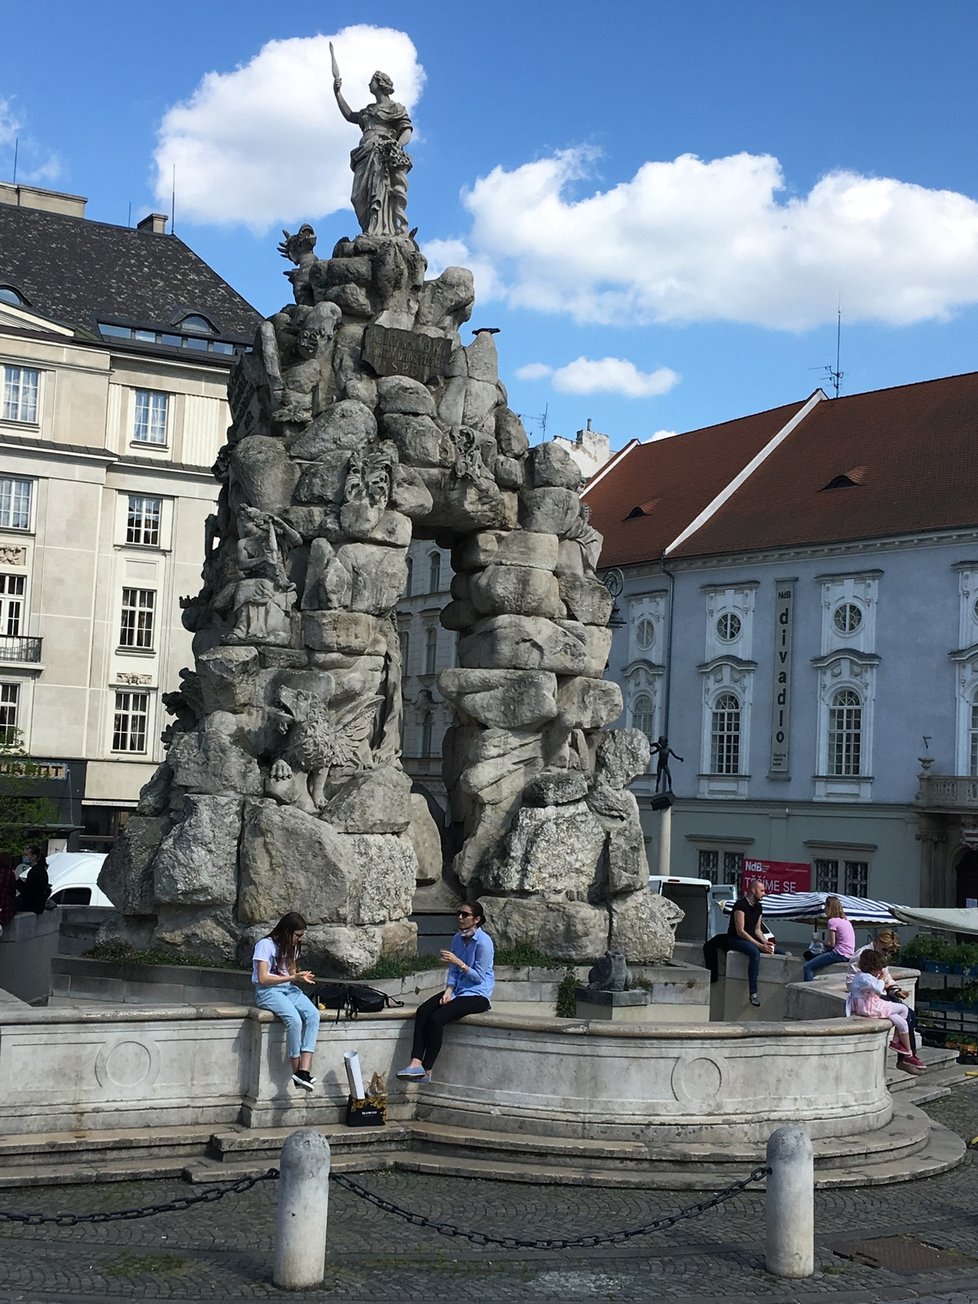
[66,1172]
[83,1148]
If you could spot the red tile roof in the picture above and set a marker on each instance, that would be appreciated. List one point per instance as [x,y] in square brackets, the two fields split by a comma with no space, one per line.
[911,454]
[905,461]
[674,480]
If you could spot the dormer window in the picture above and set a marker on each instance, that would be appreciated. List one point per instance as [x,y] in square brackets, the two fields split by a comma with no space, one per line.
[10,294]
[198,323]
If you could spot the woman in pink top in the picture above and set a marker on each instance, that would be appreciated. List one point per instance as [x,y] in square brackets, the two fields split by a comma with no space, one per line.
[841,940]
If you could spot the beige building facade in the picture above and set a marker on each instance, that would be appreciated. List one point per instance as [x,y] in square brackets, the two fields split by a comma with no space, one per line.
[112,413]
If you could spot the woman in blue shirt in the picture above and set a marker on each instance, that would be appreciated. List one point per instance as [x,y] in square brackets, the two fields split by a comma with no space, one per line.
[467,990]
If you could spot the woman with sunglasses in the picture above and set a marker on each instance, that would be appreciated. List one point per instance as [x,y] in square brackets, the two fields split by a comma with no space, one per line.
[467,990]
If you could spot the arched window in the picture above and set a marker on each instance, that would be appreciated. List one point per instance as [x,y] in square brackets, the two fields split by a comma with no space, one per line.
[409,582]
[845,733]
[430,650]
[427,724]
[973,740]
[642,714]
[405,638]
[725,735]
[10,294]
[434,572]
[195,321]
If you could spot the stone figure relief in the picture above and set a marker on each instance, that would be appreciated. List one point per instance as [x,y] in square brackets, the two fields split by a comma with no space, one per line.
[323,745]
[379,163]
[294,350]
[299,249]
[260,601]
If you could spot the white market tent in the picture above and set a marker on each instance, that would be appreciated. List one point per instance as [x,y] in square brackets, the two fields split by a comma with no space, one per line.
[860,910]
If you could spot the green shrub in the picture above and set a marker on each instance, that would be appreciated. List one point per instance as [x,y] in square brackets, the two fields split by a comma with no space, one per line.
[402,966]
[525,956]
[566,1007]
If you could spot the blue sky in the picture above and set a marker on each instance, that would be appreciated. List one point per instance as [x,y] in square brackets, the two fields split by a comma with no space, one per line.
[662,202]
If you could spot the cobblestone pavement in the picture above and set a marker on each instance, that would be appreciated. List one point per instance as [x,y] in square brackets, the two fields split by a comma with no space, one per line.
[223,1251]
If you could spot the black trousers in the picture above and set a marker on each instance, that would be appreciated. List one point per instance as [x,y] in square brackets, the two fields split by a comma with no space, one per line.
[711,952]
[430,1020]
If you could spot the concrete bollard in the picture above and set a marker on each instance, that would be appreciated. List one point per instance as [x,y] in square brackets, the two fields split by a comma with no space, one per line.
[790,1206]
[303,1202]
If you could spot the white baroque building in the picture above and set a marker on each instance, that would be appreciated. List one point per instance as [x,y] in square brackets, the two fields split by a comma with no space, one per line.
[115,348]
[798,592]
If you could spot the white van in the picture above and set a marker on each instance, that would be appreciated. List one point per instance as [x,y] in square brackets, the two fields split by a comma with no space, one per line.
[73,876]
[701,900]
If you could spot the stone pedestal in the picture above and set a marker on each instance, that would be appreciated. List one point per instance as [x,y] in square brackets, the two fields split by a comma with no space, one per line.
[620,1007]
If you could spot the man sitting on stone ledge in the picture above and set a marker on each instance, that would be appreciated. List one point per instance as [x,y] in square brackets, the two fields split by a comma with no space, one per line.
[745,934]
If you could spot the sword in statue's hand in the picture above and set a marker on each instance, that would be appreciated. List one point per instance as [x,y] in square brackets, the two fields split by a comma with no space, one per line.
[337,79]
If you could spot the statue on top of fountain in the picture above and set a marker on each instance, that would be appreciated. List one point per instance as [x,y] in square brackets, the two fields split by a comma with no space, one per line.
[380,164]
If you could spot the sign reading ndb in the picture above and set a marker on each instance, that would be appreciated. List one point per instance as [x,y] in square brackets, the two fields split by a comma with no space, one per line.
[778,875]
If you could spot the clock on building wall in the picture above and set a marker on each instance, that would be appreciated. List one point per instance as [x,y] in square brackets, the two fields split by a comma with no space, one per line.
[614,581]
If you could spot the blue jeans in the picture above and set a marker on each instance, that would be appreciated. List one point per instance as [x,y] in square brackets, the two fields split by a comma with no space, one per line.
[753,954]
[297,1012]
[822,961]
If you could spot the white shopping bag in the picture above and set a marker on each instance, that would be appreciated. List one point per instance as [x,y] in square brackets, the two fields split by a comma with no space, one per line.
[354,1077]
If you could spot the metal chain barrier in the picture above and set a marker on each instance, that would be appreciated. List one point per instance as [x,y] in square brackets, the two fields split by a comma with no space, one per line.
[215,1193]
[553,1243]
[210,1196]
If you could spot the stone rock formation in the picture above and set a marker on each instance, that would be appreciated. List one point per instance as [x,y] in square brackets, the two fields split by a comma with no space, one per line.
[359,420]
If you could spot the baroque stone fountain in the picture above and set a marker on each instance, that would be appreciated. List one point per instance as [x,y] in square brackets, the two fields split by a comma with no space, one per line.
[360,420]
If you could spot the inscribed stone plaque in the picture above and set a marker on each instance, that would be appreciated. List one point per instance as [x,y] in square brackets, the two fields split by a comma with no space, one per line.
[393,352]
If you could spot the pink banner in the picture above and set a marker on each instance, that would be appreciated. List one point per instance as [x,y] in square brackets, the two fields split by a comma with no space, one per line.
[778,875]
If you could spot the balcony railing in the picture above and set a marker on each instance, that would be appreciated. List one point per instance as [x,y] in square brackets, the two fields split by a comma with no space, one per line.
[948,792]
[15,648]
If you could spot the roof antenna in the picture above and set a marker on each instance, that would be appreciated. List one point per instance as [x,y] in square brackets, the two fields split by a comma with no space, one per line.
[540,421]
[16,152]
[835,374]
[173,201]
[129,218]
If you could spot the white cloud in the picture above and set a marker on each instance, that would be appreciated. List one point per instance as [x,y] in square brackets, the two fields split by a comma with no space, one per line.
[266,143]
[720,240]
[36,165]
[602,376]
[534,371]
[456,253]
[661,434]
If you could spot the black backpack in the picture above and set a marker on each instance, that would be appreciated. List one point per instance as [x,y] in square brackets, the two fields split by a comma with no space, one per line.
[353,999]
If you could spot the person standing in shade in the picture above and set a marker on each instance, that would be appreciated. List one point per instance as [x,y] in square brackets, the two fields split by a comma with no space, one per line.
[274,971]
[745,933]
[34,888]
[840,943]
[468,987]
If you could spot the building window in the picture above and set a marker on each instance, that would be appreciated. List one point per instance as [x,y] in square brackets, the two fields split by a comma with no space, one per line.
[434,572]
[847,618]
[131,722]
[405,640]
[730,862]
[845,733]
[409,581]
[11,604]
[143,520]
[15,503]
[20,387]
[642,714]
[725,735]
[149,426]
[850,877]
[427,724]
[645,633]
[728,627]
[973,740]
[138,608]
[9,704]
[430,650]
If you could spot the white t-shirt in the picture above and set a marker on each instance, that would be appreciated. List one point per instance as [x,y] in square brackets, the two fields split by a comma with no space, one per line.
[266,950]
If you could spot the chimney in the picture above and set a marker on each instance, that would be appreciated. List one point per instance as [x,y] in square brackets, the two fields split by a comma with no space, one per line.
[153,224]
